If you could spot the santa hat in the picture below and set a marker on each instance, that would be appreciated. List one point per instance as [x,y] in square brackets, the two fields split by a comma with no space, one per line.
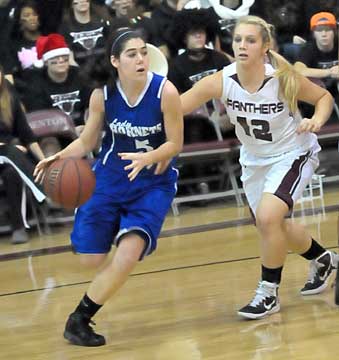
[51,46]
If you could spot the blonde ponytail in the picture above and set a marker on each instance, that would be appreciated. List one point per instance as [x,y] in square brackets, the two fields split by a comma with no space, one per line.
[289,79]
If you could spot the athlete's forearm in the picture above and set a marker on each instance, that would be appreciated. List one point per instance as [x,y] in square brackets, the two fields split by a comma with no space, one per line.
[165,151]
[323,109]
[74,149]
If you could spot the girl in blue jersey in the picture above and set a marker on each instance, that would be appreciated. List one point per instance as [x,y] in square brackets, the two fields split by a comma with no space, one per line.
[278,153]
[140,113]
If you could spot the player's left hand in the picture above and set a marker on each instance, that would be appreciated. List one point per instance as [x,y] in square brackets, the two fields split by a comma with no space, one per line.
[309,125]
[41,168]
[138,162]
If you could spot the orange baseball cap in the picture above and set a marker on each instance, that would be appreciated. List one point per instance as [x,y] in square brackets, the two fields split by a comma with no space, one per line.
[323,18]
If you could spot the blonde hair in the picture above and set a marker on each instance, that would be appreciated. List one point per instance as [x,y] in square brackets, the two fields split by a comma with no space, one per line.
[5,101]
[289,78]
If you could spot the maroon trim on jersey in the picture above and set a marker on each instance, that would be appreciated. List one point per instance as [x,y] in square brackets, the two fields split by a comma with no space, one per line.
[236,78]
[291,180]
[253,216]
[265,82]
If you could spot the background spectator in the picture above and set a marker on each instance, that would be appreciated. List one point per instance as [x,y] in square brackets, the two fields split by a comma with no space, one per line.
[192,30]
[24,33]
[16,138]
[58,85]
[319,57]
[85,32]
[128,13]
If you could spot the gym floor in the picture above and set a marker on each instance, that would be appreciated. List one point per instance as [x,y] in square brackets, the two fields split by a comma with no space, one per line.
[181,302]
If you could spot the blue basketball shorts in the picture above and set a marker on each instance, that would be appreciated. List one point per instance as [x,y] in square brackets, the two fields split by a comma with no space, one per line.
[104,220]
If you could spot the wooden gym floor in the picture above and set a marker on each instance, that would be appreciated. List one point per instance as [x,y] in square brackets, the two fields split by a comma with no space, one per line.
[179,304]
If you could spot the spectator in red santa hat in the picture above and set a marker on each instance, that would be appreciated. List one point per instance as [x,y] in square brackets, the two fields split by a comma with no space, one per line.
[58,85]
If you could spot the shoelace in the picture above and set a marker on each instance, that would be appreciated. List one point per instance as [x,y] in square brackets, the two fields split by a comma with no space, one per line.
[89,327]
[313,271]
[261,293]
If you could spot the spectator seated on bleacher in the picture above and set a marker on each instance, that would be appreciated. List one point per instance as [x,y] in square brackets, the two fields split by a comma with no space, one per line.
[16,166]
[85,31]
[192,30]
[319,57]
[225,12]
[128,13]
[25,30]
[56,86]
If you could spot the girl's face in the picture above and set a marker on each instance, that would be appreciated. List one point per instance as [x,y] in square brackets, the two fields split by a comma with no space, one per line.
[29,19]
[196,39]
[81,5]
[133,62]
[122,7]
[248,45]
[58,65]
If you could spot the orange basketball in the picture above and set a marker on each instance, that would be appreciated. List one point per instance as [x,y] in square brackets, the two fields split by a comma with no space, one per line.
[69,182]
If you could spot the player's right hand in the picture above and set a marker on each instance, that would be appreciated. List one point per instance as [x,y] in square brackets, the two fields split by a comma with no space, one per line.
[41,167]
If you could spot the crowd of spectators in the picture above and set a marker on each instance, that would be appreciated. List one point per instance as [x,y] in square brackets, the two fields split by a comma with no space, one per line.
[194,35]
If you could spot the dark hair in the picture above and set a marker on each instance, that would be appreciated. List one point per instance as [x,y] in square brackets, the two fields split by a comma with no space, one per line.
[119,38]
[16,32]
[102,72]
[187,20]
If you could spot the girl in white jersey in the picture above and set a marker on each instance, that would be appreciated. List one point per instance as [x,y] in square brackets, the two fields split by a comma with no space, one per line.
[278,153]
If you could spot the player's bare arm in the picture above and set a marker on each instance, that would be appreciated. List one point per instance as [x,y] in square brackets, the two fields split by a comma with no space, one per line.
[87,140]
[321,99]
[210,87]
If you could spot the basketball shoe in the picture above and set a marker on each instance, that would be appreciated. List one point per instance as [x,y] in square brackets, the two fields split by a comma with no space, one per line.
[265,302]
[79,332]
[320,270]
[336,288]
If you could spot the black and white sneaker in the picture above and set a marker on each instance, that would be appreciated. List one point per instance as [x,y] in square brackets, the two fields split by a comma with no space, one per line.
[320,270]
[265,302]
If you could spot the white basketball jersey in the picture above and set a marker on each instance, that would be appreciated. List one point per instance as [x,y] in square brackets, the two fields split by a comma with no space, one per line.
[263,122]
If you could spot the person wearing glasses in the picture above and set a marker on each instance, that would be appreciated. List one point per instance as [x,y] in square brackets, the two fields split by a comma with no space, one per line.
[58,85]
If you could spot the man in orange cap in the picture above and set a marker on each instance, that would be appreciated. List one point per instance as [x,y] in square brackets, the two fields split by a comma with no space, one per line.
[319,58]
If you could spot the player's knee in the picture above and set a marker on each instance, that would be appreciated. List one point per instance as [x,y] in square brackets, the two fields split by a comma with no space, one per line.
[92,261]
[266,221]
[130,250]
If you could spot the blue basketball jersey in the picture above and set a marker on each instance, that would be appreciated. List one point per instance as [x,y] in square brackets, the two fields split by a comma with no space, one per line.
[132,128]
[119,206]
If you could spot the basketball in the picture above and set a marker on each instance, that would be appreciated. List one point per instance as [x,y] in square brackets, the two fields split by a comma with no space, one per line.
[69,182]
